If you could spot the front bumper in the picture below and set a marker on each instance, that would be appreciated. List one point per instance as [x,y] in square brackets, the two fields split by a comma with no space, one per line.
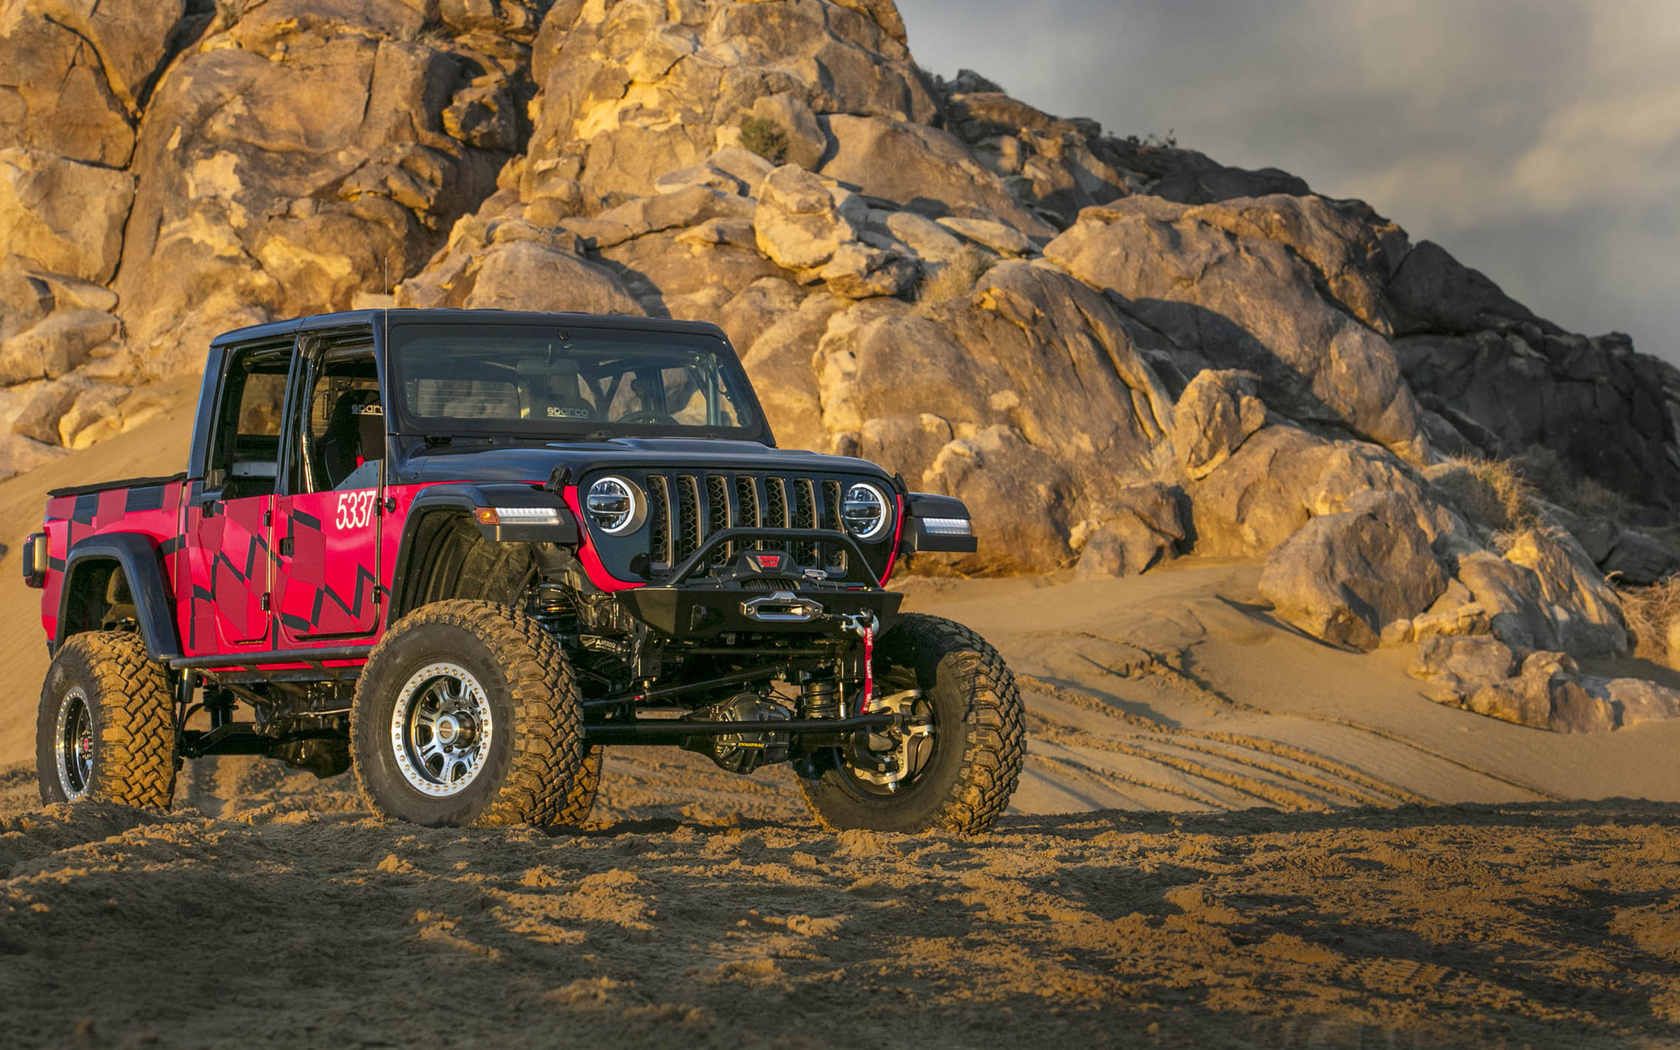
[702,600]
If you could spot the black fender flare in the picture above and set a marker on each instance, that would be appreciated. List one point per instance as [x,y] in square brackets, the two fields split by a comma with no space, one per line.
[945,511]
[137,557]
[468,498]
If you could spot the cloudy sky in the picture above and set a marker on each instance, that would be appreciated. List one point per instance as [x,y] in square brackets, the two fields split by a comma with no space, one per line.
[1538,140]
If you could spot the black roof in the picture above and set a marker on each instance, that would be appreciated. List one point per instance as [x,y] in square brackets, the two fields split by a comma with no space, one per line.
[346,318]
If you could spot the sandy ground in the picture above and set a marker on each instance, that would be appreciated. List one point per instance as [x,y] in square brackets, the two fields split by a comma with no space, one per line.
[1226,835]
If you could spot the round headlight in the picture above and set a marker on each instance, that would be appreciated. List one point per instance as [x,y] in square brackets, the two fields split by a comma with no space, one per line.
[613,505]
[864,511]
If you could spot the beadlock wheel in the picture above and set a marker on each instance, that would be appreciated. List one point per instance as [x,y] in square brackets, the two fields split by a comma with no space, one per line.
[105,730]
[73,745]
[959,757]
[441,729]
[467,713]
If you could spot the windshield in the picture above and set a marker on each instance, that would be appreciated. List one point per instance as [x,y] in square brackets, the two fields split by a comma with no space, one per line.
[554,381]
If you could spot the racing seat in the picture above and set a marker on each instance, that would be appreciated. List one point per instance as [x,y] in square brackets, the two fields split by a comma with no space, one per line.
[556,390]
[354,441]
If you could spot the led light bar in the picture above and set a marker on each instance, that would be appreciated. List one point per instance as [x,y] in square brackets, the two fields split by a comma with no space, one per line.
[948,526]
[518,515]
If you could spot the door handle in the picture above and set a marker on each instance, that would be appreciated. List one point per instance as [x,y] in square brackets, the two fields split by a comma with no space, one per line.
[286,546]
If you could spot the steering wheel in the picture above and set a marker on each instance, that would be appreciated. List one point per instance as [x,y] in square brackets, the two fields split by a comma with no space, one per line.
[649,415]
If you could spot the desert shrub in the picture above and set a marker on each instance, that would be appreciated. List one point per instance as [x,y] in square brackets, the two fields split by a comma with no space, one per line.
[765,138]
[957,277]
[1542,469]
[1491,491]
[1653,615]
[1153,140]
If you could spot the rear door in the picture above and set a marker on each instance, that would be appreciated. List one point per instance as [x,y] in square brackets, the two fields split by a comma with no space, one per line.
[326,517]
[224,596]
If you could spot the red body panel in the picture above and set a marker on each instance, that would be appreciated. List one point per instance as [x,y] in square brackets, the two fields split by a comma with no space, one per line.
[152,511]
[227,573]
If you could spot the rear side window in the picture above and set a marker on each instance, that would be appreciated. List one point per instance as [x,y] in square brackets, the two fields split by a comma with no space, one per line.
[245,453]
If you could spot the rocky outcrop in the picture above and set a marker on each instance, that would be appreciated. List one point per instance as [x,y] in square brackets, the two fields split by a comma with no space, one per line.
[1217,286]
[996,302]
[1543,690]
[1594,402]
[201,167]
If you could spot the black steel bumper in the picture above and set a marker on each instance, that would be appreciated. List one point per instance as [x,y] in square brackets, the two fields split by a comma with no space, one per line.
[701,600]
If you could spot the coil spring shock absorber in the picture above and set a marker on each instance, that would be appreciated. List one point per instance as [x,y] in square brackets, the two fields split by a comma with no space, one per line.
[552,607]
[822,698]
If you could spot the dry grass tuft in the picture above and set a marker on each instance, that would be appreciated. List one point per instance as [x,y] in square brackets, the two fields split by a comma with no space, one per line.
[765,138]
[1492,491]
[956,278]
[1542,468]
[1653,615]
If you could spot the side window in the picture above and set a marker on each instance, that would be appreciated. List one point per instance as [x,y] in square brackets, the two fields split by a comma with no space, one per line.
[245,454]
[343,425]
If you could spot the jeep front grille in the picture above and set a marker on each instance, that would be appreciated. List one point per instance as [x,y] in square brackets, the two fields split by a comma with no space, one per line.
[683,509]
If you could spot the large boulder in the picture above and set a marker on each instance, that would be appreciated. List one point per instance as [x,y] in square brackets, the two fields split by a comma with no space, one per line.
[1031,370]
[1545,593]
[797,222]
[528,276]
[56,346]
[1227,292]
[75,71]
[1453,669]
[1345,577]
[924,168]
[1547,694]
[1433,292]
[62,215]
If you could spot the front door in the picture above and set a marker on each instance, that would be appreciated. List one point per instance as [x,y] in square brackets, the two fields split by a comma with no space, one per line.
[326,521]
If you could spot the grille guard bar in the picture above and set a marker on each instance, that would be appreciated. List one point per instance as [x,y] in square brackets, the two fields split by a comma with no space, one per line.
[857,565]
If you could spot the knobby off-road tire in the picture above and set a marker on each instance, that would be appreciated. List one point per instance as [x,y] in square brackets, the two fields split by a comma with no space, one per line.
[535,767]
[127,752]
[979,737]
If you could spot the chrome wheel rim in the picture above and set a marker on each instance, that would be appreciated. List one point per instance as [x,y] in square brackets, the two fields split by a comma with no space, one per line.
[74,745]
[441,729]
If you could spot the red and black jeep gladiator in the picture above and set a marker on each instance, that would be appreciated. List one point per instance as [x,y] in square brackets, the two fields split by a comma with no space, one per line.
[462,551]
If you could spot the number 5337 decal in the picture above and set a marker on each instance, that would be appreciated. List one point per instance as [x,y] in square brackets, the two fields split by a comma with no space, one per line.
[355,509]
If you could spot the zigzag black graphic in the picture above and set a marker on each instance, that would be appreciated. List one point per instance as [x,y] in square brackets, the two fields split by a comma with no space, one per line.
[354,609]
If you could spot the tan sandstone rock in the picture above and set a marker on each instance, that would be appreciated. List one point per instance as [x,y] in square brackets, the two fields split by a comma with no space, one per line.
[1344,577]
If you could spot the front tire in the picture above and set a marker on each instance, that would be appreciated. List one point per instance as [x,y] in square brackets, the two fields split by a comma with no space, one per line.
[106,725]
[467,713]
[978,737]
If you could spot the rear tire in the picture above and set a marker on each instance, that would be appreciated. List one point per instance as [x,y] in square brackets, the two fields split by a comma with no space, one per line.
[106,725]
[979,737]
[467,713]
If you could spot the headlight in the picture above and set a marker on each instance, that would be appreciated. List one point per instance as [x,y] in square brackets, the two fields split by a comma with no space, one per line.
[613,505]
[864,511]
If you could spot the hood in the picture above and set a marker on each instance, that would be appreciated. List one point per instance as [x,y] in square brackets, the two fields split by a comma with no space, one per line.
[465,459]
